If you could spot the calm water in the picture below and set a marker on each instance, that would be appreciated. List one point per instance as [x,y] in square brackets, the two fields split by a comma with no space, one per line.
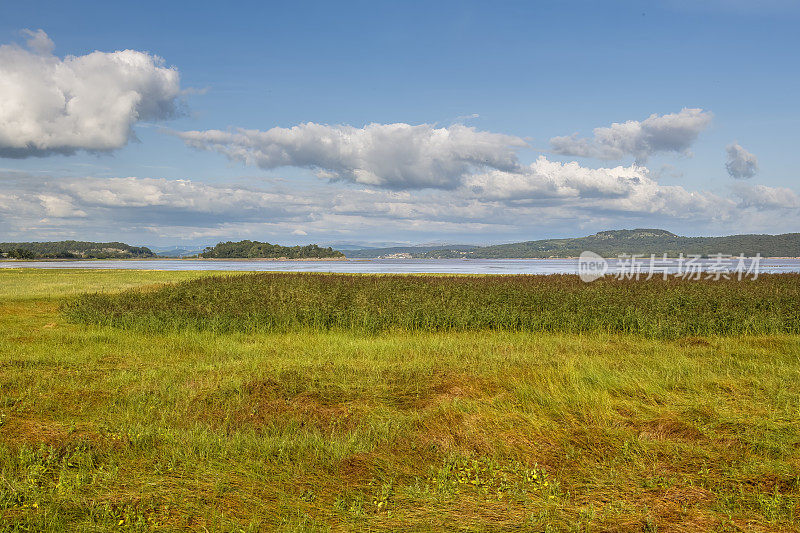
[389,266]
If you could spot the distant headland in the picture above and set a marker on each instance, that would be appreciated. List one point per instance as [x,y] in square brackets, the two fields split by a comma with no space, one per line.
[605,243]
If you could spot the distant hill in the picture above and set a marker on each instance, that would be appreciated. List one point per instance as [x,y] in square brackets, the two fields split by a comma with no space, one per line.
[605,243]
[414,251]
[176,251]
[265,250]
[73,250]
[635,241]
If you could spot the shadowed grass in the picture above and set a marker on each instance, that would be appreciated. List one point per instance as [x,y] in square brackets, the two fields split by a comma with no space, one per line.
[286,302]
[105,429]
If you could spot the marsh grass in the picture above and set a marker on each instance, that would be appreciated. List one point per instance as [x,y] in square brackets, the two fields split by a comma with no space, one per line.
[318,302]
[105,429]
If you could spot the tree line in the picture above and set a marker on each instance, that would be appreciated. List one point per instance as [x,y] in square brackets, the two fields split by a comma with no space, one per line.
[264,250]
[73,250]
[638,241]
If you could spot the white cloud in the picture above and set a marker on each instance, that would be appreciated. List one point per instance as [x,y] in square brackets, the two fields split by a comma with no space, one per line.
[181,195]
[546,179]
[764,197]
[674,132]
[545,197]
[741,164]
[394,156]
[38,42]
[58,206]
[522,197]
[89,102]
[9,202]
[622,189]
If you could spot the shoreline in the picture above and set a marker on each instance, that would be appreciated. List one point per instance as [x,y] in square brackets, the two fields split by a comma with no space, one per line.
[90,260]
[337,259]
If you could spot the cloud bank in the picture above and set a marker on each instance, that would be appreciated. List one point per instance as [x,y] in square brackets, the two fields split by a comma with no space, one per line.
[392,156]
[543,196]
[478,170]
[90,102]
[674,132]
[741,164]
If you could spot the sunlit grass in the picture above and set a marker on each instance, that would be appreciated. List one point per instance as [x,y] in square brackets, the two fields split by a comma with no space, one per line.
[105,428]
[30,283]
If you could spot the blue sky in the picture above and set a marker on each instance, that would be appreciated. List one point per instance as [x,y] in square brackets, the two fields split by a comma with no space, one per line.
[508,75]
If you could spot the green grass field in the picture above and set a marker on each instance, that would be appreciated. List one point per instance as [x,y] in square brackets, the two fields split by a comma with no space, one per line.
[163,424]
[277,302]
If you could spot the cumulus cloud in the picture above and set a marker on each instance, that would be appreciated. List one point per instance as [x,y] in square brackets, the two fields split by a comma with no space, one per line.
[765,197]
[51,105]
[741,164]
[546,179]
[622,189]
[393,156]
[674,132]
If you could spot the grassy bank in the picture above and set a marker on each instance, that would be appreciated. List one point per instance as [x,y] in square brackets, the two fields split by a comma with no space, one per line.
[105,428]
[291,302]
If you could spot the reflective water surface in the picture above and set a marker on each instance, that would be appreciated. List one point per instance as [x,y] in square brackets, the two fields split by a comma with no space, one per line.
[400,266]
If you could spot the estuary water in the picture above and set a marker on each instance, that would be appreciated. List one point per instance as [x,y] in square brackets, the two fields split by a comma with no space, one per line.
[412,266]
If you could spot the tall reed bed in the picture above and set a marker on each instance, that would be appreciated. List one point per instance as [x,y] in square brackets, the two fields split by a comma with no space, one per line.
[374,303]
